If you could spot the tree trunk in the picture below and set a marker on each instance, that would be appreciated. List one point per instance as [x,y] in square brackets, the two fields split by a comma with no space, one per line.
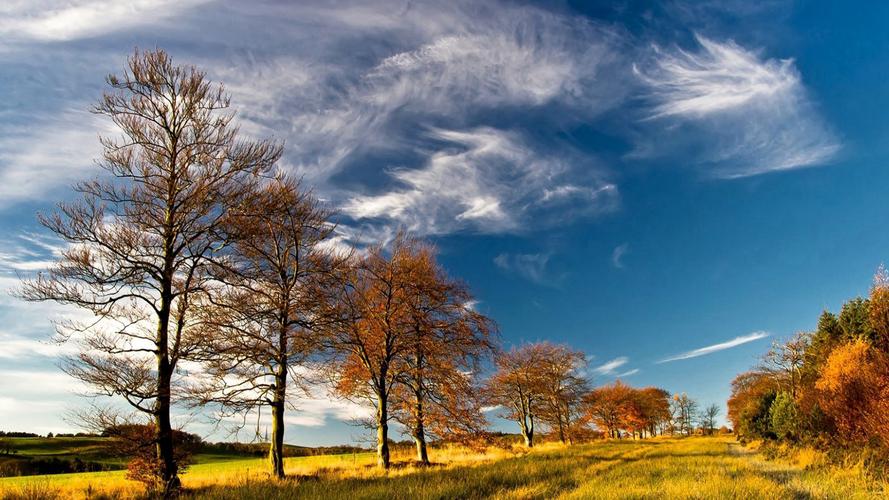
[528,432]
[420,432]
[276,446]
[164,431]
[382,431]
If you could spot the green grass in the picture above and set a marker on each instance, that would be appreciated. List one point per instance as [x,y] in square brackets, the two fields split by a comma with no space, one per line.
[693,468]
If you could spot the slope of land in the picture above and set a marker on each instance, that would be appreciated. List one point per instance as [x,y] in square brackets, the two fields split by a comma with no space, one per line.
[658,468]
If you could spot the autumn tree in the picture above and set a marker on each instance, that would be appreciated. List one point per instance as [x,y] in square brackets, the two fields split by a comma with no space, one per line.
[879,309]
[140,238]
[436,392]
[750,401]
[854,391]
[564,388]
[519,386]
[607,406]
[655,404]
[374,331]
[262,326]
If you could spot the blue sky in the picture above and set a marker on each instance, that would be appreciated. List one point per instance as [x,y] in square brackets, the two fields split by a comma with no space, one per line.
[642,182]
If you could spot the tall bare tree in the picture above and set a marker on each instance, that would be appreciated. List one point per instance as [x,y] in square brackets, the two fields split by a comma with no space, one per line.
[262,327]
[140,238]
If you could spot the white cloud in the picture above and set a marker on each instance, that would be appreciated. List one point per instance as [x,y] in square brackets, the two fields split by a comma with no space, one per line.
[703,351]
[610,367]
[487,180]
[530,266]
[54,20]
[745,115]
[618,254]
[628,373]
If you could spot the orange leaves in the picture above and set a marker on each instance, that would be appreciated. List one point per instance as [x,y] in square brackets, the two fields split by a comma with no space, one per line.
[854,390]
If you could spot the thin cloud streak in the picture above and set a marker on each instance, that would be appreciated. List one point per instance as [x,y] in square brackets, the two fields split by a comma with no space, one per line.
[703,351]
[609,367]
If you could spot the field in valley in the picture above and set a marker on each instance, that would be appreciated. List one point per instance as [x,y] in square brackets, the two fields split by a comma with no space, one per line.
[699,467]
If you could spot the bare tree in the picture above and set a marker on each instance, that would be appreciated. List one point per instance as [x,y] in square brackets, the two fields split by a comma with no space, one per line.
[785,359]
[708,418]
[262,327]
[139,240]
[685,411]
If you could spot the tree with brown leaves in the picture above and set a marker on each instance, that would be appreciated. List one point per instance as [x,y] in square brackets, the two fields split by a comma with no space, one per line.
[519,385]
[262,325]
[564,388]
[374,332]
[606,407]
[140,239]
[448,341]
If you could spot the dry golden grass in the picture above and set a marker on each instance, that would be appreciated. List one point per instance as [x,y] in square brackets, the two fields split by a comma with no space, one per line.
[699,467]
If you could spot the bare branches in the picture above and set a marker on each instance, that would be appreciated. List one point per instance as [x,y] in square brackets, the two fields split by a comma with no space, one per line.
[141,240]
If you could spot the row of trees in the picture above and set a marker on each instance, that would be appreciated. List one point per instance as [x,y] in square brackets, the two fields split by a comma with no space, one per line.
[543,383]
[826,387]
[212,279]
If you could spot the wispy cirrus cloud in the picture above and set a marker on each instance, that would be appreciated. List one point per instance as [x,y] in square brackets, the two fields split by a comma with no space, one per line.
[610,367]
[617,255]
[532,267]
[53,20]
[745,115]
[703,351]
[484,179]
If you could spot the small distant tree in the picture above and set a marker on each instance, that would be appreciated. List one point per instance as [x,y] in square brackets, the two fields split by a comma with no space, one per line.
[518,385]
[685,411]
[139,240]
[708,418]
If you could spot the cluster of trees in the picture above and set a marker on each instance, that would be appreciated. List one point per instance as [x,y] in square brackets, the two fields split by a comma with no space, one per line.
[542,383]
[213,279]
[829,386]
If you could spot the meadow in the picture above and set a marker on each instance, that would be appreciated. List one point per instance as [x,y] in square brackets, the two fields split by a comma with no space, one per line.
[698,467]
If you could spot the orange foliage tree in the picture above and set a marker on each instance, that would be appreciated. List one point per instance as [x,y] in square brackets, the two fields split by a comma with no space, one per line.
[854,391]
[437,390]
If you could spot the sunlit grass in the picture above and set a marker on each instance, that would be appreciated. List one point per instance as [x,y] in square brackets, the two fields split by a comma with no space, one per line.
[660,468]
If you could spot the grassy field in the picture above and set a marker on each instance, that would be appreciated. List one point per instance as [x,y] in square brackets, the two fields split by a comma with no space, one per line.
[661,468]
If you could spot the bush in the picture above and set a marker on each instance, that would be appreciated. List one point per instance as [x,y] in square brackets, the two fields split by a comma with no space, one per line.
[137,442]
